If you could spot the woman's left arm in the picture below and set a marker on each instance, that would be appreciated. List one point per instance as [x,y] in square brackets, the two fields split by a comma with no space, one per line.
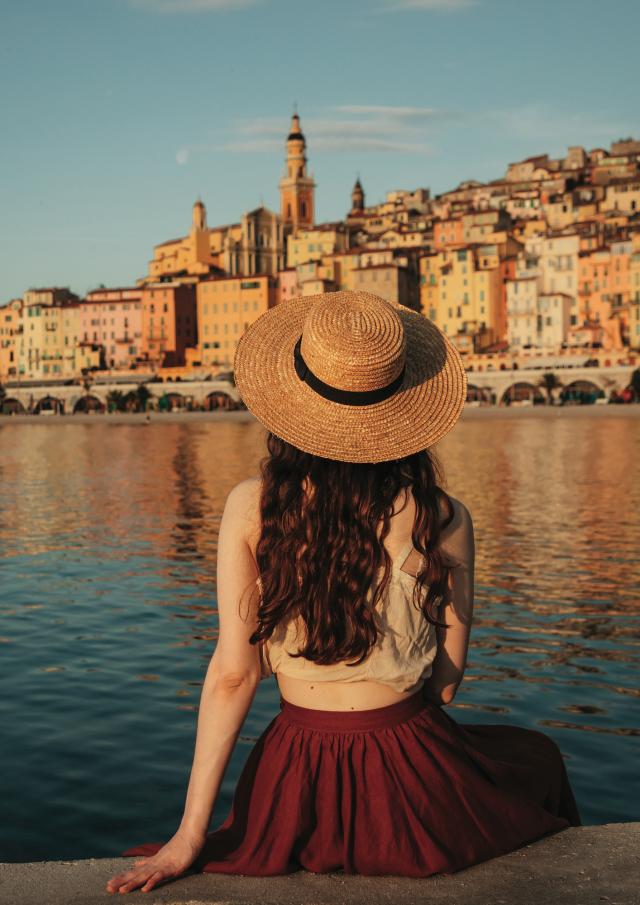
[233,674]
[229,688]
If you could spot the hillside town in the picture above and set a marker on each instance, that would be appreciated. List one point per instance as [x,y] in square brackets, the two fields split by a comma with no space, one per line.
[542,264]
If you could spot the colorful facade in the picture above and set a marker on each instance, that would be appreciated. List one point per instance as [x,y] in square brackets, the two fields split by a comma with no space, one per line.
[169,324]
[225,308]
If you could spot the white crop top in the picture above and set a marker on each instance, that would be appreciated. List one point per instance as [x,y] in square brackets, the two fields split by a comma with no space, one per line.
[402,656]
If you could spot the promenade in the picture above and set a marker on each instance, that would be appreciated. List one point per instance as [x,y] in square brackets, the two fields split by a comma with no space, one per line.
[590,865]
[242,415]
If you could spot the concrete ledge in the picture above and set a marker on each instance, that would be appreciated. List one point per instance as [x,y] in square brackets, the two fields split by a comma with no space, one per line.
[588,865]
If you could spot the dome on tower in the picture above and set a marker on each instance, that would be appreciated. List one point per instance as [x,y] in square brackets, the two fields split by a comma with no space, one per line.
[295,131]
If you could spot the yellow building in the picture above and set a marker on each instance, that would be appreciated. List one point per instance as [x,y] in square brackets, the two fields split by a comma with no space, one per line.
[226,307]
[480,226]
[42,352]
[10,326]
[461,290]
[314,243]
[254,246]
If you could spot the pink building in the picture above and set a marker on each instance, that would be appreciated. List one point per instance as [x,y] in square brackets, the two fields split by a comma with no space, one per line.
[287,285]
[112,318]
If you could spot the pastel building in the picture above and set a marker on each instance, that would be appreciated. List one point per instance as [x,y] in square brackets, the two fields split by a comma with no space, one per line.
[42,352]
[225,308]
[313,244]
[605,289]
[461,290]
[169,324]
[522,313]
[10,327]
[287,284]
[390,281]
[255,245]
[112,319]
[553,319]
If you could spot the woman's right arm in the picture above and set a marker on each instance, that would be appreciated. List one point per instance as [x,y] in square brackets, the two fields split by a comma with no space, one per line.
[456,609]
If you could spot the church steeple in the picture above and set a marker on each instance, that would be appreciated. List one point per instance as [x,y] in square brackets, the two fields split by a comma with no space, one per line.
[199,216]
[357,197]
[296,186]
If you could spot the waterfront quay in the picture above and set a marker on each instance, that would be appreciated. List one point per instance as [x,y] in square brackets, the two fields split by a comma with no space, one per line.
[527,385]
[588,865]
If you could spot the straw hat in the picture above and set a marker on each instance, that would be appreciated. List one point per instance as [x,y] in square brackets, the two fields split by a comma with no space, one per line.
[350,376]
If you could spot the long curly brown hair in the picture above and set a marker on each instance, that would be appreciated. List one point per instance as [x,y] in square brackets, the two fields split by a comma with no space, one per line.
[319,549]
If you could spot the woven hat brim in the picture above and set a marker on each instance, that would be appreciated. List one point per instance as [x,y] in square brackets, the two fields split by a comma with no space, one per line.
[419,414]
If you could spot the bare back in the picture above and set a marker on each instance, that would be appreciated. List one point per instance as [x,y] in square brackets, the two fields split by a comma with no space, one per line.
[367,694]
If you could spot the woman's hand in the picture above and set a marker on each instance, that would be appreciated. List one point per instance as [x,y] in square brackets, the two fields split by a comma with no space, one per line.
[171,861]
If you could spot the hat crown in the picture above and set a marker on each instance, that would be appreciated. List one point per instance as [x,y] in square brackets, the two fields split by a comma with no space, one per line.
[353,341]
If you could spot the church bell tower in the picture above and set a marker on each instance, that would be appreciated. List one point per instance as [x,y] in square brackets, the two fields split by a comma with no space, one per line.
[296,186]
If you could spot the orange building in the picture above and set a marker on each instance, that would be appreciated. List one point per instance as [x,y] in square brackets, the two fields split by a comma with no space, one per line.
[604,290]
[226,307]
[447,232]
[169,324]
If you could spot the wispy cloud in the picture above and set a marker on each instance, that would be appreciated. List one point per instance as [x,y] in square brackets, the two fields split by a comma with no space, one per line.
[437,6]
[543,123]
[192,6]
[417,130]
[347,127]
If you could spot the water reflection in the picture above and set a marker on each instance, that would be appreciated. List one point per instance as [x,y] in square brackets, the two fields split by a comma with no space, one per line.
[108,540]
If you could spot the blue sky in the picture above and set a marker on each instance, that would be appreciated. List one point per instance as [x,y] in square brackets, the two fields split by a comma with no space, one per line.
[117,114]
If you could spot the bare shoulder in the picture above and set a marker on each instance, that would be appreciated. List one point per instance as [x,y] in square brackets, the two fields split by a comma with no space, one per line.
[243,505]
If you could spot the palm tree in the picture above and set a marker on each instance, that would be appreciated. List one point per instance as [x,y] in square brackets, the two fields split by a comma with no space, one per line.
[142,394]
[3,396]
[550,382]
[635,383]
[116,401]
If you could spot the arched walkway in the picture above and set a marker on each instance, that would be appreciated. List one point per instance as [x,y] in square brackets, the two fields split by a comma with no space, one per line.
[580,392]
[478,395]
[522,393]
[11,406]
[172,402]
[219,400]
[89,404]
[49,405]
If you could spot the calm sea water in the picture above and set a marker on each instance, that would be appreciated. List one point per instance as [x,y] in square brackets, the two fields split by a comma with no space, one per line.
[108,613]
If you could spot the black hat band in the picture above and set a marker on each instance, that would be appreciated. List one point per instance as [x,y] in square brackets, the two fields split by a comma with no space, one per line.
[334,394]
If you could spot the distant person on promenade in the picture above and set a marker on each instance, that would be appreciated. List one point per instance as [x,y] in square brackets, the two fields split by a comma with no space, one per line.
[347,570]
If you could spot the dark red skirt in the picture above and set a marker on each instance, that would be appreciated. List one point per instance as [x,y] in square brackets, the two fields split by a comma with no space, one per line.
[402,789]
